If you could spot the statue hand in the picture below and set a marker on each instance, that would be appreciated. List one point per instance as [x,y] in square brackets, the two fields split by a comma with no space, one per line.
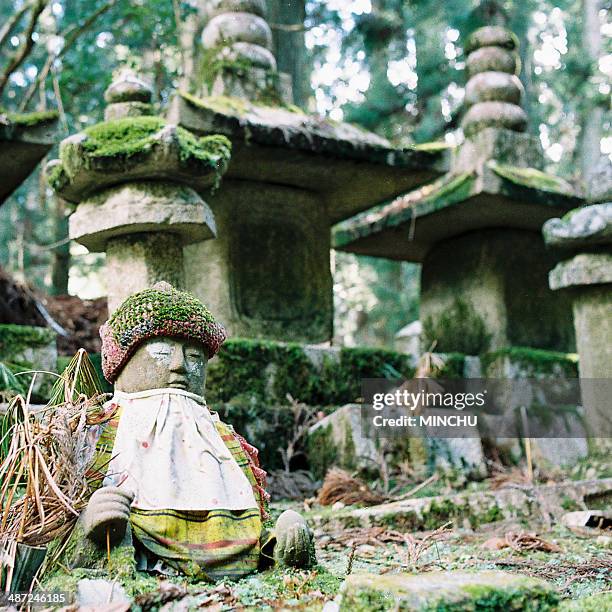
[294,541]
[108,510]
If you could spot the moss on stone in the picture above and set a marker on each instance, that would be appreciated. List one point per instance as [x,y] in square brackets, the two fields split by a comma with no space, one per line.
[14,339]
[536,361]
[446,191]
[240,368]
[447,592]
[57,177]
[601,602]
[457,329]
[530,177]
[32,119]
[131,136]
[321,450]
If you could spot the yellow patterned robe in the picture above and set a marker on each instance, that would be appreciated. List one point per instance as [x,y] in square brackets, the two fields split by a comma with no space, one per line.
[201,544]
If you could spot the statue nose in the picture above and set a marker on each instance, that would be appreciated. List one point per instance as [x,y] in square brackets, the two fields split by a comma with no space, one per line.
[177,363]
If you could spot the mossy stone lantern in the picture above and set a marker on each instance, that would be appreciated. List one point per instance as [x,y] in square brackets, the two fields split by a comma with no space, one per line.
[292,176]
[477,230]
[137,182]
[583,239]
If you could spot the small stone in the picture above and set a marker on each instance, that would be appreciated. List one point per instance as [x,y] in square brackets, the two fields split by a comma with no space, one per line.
[491,36]
[455,590]
[492,59]
[337,506]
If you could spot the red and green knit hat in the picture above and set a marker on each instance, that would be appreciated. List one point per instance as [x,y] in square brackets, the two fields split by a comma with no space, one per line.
[159,311]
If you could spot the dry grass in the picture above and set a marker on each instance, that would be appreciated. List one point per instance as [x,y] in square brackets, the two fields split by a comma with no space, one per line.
[340,486]
[45,478]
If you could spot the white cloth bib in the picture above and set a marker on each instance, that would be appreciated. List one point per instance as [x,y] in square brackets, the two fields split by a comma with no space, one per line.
[169,453]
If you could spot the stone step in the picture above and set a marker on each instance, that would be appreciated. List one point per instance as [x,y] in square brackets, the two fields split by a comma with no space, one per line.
[472,509]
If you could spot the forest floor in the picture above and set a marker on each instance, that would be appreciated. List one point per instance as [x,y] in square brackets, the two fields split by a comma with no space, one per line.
[578,568]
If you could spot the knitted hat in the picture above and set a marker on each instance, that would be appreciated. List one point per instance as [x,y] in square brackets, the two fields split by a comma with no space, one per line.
[159,311]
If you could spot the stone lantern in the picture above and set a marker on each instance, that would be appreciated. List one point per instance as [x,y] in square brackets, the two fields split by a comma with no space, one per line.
[585,236]
[24,140]
[292,176]
[476,231]
[137,182]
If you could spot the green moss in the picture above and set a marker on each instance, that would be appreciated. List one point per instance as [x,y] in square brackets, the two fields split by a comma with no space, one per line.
[57,177]
[241,368]
[133,135]
[530,177]
[322,453]
[32,119]
[535,361]
[14,339]
[444,192]
[601,602]
[457,329]
[489,598]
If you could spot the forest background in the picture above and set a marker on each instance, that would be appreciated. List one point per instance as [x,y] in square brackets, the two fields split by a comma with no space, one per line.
[393,66]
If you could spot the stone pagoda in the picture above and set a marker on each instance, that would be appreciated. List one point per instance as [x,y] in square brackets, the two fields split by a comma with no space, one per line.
[137,183]
[292,176]
[584,236]
[476,231]
[24,140]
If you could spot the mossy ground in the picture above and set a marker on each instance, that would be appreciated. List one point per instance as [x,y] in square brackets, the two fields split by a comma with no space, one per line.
[575,572]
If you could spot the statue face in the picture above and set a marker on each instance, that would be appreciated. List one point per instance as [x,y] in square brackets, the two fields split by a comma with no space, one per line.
[165,362]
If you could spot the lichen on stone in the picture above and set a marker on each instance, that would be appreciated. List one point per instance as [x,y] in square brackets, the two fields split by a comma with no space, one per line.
[530,177]
[437,145]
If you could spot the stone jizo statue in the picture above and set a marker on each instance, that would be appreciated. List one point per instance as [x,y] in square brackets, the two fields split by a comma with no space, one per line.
[187,486]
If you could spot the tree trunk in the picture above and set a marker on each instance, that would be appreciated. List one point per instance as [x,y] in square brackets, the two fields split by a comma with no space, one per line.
[60,263]
[289,46]
[592,122]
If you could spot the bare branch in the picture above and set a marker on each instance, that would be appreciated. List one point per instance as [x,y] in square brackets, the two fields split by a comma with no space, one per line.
[7,28]
[70,37]
[26,47]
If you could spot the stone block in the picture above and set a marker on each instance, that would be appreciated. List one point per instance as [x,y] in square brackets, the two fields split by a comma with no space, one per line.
[498,280]
[142,207]
[263,252]
[503,145]
[453,590]
[583,269]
